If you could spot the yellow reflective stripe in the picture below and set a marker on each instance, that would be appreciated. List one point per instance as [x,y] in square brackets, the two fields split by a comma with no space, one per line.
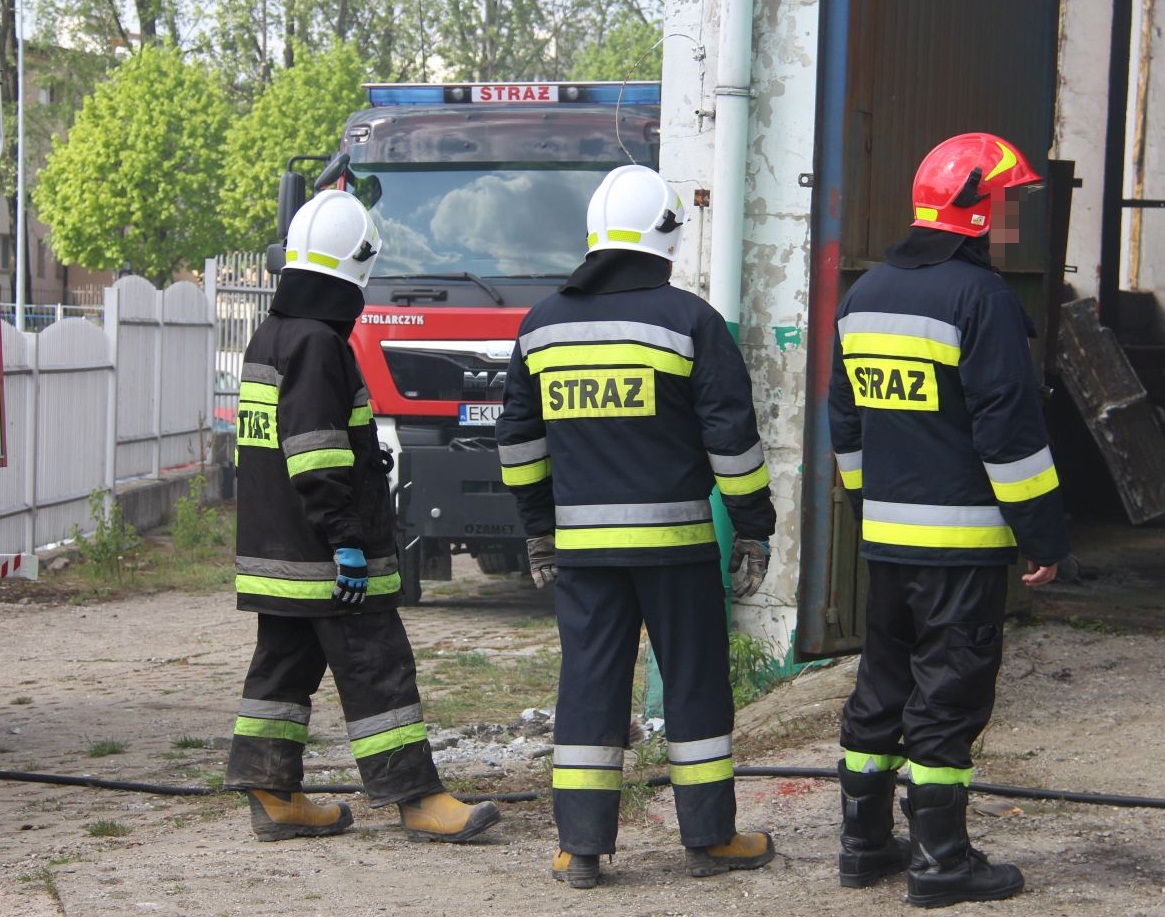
[926,213]
[259,392]
[530,473]
[947,776]
[852,480]
[654,536]
[1027,489]
[566,356]
[389,740]
[1009,159]
[360,416]
[861,763]
[308,589]
[938,536]
[706,772]
[270,729]
[320,458]
[587,778]
[322,259]
[900,345]
[745,483]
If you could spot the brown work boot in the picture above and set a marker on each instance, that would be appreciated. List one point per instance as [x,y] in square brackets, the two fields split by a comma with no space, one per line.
[579,870]
[278,816]
[744,851]
[441,817]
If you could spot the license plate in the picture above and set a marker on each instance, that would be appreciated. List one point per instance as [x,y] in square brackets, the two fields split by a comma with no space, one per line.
[479,415]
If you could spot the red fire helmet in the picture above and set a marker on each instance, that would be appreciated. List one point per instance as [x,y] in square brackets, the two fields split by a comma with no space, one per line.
[957,180]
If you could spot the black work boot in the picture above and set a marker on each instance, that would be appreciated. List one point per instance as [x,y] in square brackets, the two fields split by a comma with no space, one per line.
[944,867]
[869,849]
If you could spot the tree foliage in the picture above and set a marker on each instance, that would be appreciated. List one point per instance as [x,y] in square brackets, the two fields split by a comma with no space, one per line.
[135,179]
[302,111]
[631,49]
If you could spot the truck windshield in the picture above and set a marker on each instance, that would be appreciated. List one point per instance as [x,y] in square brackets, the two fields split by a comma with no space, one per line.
[492,220]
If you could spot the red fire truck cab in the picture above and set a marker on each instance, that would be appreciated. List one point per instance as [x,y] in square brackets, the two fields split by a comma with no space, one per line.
[480,194]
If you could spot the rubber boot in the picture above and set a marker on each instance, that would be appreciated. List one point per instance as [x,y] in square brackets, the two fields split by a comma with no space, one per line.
[869,849]
[578,870]
[279,816]
[441,817]
[744,851]
[944,867]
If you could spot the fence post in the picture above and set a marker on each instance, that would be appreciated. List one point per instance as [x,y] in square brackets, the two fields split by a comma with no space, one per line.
[210,289]
[30,444]
[112,325]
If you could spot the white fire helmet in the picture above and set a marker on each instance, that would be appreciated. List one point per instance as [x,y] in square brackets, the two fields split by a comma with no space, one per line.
[333,234]
[635,209]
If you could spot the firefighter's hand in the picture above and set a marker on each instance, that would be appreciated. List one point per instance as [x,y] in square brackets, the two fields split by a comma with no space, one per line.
[351,577]
[751,554]
[1039,575]
[543,569]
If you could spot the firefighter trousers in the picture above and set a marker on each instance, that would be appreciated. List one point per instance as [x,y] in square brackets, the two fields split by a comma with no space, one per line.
[925,687]
[375,674]
[601,612]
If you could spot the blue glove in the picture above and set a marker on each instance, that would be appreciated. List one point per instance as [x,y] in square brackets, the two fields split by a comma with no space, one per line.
[351,578]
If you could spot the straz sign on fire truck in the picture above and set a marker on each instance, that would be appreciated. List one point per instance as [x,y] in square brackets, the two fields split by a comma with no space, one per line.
[516,92]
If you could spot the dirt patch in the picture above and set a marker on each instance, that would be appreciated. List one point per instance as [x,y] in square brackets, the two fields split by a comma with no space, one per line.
[1078,710]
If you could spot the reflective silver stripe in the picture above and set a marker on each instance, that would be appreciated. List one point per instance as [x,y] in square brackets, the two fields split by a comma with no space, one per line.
[700,750]
[305,570]
[1010,472]
[919,326]
[930,514]
[361,398]
[383,722]
[262,373]
[607,332]
[633,513]
[849,461]
[737,464]
[521,453]
[587,756]
[275,710]
[317,439]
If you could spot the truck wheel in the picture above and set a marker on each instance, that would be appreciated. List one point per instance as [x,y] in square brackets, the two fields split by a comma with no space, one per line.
[497,562]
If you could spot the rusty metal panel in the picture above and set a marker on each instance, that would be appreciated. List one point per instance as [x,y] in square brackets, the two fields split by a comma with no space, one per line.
[1115,408]
[923,71]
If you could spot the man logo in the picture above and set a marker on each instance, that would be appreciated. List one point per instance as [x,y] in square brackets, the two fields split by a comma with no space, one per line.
[482,382]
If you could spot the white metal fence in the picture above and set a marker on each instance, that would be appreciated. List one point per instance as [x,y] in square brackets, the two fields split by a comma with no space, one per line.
[89,406]
[240,290]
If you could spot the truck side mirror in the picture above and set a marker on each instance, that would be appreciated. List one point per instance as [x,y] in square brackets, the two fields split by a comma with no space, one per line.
[292,194]
[276,258]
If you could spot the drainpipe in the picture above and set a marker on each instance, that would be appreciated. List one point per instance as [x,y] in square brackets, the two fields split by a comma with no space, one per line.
[733,80]
[733,92]
[814,590]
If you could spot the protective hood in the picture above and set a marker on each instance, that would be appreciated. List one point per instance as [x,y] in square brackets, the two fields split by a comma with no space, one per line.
[307,294]
[617,270]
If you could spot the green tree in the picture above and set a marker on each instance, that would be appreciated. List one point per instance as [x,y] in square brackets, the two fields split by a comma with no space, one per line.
[134,179]
[631,49]
[485,40]
[302,111]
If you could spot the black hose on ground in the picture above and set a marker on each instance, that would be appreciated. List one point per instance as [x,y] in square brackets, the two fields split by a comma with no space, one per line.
[815,773]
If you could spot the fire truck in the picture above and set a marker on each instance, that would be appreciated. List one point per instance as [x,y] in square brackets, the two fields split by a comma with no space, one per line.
[480,193]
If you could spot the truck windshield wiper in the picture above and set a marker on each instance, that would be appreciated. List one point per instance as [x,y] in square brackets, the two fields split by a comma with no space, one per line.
[463,275]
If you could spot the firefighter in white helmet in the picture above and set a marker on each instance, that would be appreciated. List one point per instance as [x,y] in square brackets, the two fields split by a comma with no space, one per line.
[939,435]
[626,401]
[317,554]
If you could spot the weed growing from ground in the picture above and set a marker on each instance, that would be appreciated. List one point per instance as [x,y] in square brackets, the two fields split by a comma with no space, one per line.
[106,828]
[196,525]
[749,663]
[106,747]
[113,541]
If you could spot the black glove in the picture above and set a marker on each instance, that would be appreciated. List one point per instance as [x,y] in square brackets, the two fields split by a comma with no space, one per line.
[351,577]
[543,569]
[756,552]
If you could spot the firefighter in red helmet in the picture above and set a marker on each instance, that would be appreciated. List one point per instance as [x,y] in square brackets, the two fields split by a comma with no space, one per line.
[937,427]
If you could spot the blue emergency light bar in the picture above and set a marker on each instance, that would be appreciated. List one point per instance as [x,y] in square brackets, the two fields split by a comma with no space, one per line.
[631,93]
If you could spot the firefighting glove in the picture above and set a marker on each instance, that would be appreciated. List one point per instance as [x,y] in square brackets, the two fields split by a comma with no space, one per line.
[543,569]
[351,578]
[753,555]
